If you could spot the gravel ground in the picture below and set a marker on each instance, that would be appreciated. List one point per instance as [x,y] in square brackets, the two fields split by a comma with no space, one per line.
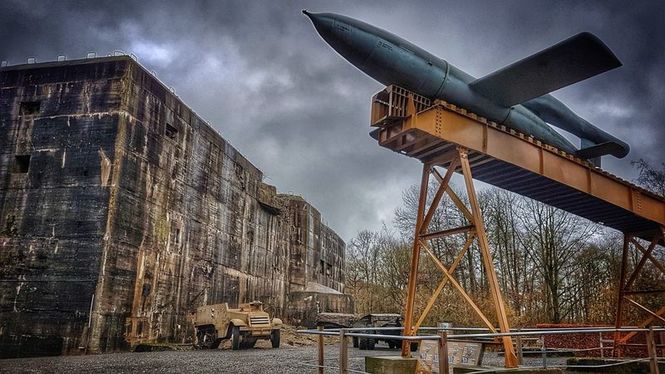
[286,360]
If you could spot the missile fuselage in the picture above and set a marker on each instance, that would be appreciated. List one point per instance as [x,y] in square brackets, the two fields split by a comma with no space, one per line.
[392,60]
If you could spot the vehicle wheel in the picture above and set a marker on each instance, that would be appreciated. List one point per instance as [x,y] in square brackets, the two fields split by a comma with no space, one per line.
[370,344]
[362,344]
[392,344]
[274,338]
[414,347]
[200,336]
[235,338]
[355,342]
[206,337]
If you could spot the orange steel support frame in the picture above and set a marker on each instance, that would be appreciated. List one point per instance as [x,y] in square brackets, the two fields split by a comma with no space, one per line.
[626,282]
[440,134]
[474,231]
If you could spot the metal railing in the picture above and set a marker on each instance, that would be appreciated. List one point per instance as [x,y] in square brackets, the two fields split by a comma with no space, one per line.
[443,337]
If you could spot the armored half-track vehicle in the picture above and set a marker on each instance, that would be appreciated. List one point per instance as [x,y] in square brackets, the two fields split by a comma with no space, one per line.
[382,321]
[242,326]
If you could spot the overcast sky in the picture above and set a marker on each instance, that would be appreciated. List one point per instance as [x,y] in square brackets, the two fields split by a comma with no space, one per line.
[261,75]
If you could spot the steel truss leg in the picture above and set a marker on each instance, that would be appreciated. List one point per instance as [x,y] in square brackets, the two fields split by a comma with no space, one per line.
[626,282]
[415,257]
[475,231]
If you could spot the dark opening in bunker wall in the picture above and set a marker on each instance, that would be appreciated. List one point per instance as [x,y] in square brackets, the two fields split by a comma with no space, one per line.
[30,108]
[21,164]
[171,132]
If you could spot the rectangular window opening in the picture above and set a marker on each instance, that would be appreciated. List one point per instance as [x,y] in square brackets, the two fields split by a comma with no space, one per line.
[170,131]
[21,164]
[30,108]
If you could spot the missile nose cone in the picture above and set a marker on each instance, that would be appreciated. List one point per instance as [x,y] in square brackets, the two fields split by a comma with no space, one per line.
[323,23]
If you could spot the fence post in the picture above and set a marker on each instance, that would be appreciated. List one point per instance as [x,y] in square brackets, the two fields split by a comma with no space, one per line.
[653,356]
[520,351]
[321,359]
[343,353]
[443,353]
[602,346]
[544,352]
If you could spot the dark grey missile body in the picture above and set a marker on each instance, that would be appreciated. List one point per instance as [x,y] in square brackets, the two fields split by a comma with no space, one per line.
[392,60]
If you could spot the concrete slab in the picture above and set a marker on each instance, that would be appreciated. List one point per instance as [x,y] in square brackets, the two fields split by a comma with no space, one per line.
[390,365]
[610,365]
[399,365]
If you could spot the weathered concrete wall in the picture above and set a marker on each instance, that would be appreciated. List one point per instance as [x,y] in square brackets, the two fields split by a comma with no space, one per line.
[54,127]
[317,252]
[316,275]
[185,224]
[133,207]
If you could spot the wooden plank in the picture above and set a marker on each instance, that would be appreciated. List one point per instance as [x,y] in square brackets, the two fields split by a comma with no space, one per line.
[343,353]
[444,367]
[653,355]
[321,360]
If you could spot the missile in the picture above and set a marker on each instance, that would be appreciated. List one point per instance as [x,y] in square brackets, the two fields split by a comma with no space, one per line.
[515,96]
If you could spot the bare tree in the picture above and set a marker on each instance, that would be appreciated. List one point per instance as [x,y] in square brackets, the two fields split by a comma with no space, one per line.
[651,178]
[557,239]
[362,256]
[552,267]
[515,269]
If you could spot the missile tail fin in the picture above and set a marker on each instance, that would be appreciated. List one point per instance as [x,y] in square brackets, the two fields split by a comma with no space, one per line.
[587,147]
[572,60]
[374,134]
[592,151]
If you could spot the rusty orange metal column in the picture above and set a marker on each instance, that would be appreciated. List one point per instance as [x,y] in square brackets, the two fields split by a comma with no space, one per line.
[626,289]
[415,257]
[509,351]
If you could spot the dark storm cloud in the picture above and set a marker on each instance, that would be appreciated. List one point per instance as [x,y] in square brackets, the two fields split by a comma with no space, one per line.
[261,75]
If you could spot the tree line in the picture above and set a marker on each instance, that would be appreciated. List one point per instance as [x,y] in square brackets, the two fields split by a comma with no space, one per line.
[552,266]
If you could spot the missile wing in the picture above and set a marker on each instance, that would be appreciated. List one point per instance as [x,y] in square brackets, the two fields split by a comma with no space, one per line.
[515,96]
[570,61]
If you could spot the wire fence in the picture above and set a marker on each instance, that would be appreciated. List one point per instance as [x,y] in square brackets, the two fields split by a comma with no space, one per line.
[445,335]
